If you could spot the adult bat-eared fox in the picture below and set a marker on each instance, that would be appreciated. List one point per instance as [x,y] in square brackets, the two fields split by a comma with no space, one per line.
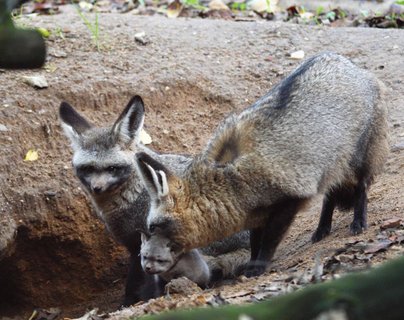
[321,130]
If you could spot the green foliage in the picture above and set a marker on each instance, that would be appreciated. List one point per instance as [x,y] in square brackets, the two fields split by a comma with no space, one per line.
[400,2]
[93,27]
[242,6]
[319,10]
[194,4]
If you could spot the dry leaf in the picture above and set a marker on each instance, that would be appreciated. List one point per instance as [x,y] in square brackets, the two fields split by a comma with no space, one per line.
[217,5]
[391,223]
[174,9]
[32,155]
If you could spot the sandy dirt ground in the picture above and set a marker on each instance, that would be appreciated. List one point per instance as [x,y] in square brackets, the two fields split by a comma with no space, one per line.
[191,73]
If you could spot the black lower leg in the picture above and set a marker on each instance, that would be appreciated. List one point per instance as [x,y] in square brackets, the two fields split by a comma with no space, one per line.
[324,225]
[360,209]
[280,217]
[255,242]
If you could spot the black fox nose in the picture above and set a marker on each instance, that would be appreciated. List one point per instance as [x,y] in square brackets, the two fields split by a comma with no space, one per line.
[97,189]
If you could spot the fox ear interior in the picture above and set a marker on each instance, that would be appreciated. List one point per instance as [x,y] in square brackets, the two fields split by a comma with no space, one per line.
[72,122]
[154,175]
[130,122]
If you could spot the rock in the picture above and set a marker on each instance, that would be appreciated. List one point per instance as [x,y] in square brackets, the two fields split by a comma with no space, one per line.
[141,38]
[182,286]
[57,53]
[3,128]
[36,81]
[297,55]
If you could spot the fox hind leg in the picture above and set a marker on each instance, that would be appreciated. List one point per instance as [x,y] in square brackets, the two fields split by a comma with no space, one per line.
[359,223]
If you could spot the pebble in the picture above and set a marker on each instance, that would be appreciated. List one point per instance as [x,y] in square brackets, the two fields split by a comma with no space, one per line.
[3,128]
[36,81]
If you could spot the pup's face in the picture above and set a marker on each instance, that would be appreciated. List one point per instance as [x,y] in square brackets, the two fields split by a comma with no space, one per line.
[158,255]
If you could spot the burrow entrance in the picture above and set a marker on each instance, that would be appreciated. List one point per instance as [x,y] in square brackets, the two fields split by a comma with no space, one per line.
[62,256]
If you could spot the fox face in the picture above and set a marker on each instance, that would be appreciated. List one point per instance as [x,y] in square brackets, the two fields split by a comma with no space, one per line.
[172,207]
[157,253]
[103,157]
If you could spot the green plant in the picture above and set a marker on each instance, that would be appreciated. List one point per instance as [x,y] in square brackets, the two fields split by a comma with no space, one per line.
[242,6]
[194,4]
[319,10]
[269,6]
[59,33]
[400,2]
[93,27]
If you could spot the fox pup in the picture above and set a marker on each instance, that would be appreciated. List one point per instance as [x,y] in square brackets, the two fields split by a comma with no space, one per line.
[159,257]
[322,129]
[104,161]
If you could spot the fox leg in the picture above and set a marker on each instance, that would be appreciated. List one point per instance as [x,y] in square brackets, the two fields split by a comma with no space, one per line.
[359,222]
[280,218]
[324,225]
[139,285]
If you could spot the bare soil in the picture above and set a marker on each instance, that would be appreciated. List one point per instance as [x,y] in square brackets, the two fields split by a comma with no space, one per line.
[191,73]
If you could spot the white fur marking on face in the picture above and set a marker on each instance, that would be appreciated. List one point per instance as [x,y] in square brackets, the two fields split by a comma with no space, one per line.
[164,186]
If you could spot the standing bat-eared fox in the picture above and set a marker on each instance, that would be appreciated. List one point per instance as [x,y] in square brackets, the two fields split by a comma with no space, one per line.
[104,161]
[321,130]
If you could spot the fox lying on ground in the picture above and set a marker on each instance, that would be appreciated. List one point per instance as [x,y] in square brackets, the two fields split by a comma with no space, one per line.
[322,129]
[104,161]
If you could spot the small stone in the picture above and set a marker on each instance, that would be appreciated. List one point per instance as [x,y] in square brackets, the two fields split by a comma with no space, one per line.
[141,38]
[50,193]
[298,55]
[182,286]
[58,53]
[36,81]
[3,128]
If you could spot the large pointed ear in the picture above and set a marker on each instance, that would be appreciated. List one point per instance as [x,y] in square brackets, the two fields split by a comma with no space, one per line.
[154,175]
[73,123]
[130,122]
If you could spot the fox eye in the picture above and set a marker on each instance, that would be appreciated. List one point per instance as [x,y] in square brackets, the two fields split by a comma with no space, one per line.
[86,169]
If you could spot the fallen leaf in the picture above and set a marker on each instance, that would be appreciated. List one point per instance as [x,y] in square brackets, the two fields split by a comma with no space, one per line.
[32,155]
[45,33]
[174,9]
[391,223]
[217,5]
[381,246]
